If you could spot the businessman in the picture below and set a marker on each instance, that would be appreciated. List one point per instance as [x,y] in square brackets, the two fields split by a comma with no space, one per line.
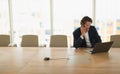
[86,35]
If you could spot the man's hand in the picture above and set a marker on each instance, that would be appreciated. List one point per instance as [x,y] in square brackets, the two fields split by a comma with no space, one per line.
[83,31]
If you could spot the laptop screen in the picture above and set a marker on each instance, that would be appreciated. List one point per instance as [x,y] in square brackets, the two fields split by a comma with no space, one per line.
[102,47]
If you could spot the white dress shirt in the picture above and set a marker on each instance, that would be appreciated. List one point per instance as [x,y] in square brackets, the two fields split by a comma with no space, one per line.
[87,39]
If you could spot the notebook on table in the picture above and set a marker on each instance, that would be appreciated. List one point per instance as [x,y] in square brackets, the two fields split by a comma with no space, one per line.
[101,47]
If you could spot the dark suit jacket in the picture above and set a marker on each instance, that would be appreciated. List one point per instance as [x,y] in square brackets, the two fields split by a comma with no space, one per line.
[93,36]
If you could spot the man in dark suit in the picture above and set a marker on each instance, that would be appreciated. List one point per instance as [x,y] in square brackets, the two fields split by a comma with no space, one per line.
[86,35]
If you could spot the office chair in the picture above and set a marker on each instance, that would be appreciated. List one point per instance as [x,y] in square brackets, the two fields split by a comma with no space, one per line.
[116,40]
[4,40]
[29,41]
[58,41]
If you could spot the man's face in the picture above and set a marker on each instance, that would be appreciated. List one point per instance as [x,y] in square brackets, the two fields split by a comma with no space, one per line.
[87,25]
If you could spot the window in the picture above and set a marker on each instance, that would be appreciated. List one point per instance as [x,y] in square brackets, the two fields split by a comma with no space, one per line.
[4,17]
[107,18]
[31,17]
[67,15]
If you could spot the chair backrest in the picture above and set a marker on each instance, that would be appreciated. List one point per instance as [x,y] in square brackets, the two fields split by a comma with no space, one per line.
[116,40]
[29,41]
[58,41]
[4,40]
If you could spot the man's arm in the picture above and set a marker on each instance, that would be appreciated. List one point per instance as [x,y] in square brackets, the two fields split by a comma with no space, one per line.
[78,39]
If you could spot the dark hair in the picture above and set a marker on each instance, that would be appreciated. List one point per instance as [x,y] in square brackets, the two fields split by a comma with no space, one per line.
[85,19]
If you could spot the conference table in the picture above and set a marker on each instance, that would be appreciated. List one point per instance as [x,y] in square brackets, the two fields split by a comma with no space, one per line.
[30,60]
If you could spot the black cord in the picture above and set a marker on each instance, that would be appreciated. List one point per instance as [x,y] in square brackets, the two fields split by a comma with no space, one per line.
[48,58]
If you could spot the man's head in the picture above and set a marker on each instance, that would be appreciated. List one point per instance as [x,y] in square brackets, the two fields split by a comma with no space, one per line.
[86,22]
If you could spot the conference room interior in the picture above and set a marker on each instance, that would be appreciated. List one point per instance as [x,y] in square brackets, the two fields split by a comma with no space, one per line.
[44,19]
[50,17]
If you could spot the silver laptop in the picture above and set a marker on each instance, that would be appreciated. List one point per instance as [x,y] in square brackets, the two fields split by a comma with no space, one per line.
[101,47]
